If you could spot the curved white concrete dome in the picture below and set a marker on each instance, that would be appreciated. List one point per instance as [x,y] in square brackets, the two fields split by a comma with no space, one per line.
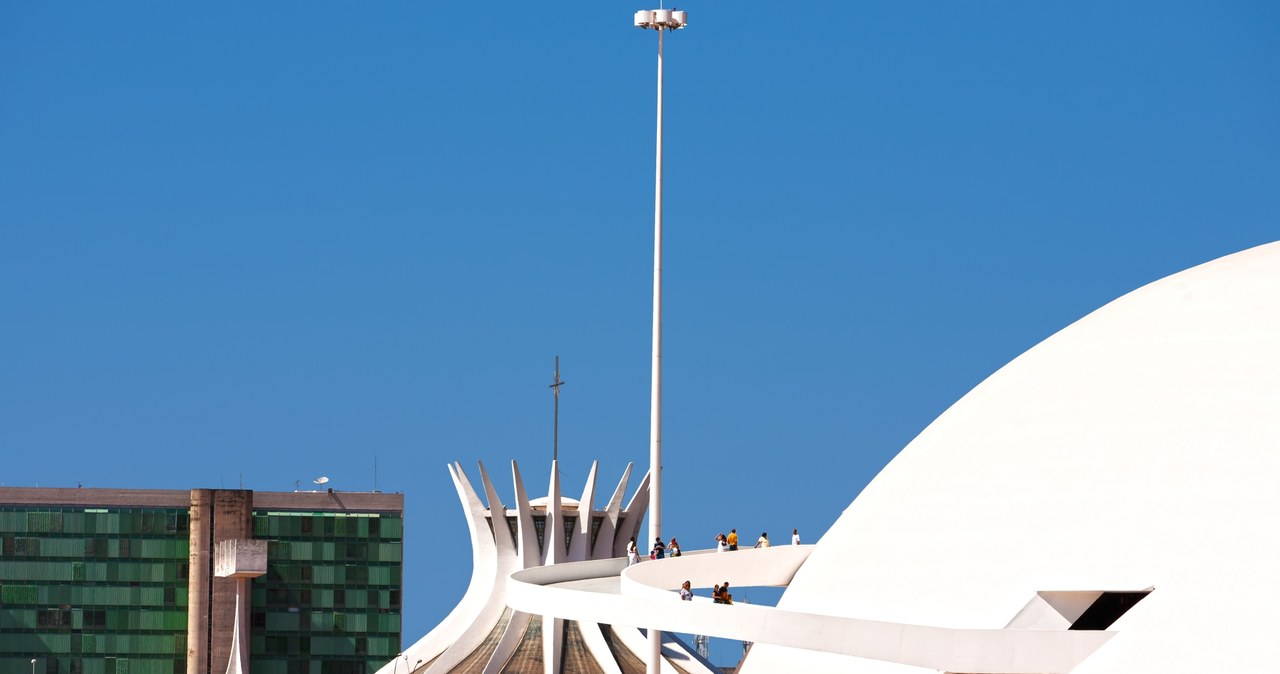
[1138,447]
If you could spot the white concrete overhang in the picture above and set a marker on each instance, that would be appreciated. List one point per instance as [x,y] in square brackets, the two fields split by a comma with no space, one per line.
[542,502]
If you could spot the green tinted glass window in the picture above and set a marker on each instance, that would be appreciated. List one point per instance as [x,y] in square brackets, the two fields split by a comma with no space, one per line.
[331,577]
[73,588]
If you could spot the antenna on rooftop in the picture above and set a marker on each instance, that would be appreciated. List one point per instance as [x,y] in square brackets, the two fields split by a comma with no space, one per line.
[700,643]
[555,389]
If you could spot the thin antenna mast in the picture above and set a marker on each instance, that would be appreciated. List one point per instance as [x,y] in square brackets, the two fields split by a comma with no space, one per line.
[555,436]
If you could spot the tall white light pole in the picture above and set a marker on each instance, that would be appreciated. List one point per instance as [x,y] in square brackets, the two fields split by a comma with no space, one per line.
[661,20]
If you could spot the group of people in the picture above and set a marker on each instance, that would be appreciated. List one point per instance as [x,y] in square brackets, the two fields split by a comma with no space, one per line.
[659,550]
[723,544]
[720,594]
[730,543]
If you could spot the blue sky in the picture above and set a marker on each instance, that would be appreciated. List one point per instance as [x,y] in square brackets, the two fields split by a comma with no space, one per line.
[270,242]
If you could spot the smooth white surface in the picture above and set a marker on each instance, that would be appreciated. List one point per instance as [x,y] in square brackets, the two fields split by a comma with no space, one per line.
[580,542]
[1137,447]
[655,401]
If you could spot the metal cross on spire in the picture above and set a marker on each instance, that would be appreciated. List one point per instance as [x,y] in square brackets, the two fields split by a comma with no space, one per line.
[555,389]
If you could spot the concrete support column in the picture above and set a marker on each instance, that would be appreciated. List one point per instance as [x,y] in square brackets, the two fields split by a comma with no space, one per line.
[216,515]
[198,574]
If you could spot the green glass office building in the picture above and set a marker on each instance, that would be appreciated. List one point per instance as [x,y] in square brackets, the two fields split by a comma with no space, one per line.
[101,581]
[330,602]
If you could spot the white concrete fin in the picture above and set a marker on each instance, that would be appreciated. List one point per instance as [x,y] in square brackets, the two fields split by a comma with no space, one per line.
[636,640]
[469,640]
[508,643]
[466,493]
[497,516]
[553,549]
[606,540]
[528,544]
[490,493]
[491,605]
[598,647]
[580,544]
[630,524]
[482,545]
[552,644]
[488,616]
[484,574]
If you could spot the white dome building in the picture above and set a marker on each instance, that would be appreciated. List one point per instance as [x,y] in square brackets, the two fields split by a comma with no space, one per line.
[1138,448]
[1107,503]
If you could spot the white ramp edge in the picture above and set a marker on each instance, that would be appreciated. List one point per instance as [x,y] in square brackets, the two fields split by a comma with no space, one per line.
[648,600]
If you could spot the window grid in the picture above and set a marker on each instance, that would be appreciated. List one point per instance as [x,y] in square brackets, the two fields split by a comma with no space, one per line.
[330,600]
[105,589]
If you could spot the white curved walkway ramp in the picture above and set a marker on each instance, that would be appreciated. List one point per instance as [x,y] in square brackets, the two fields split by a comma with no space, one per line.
[609,592]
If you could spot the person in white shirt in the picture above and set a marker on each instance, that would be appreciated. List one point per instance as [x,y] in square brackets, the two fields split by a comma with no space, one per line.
[763,542]
[795,537]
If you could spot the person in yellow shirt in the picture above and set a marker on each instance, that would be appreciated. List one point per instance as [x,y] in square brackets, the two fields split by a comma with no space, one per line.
[763,541]
[733,539]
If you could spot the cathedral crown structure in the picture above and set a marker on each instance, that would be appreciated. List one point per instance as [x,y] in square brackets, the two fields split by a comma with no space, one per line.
[483,635]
